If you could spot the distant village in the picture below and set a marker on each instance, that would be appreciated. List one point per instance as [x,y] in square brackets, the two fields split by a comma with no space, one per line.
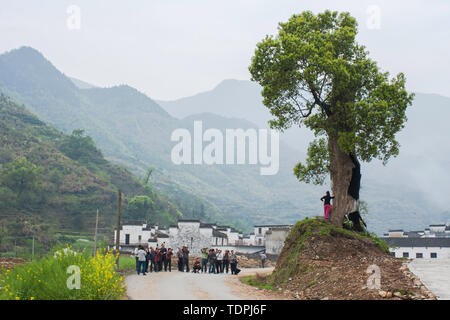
[197,235]
[431,243]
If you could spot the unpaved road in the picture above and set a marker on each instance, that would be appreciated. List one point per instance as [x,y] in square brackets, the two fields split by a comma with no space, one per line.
[193,286]
[434,274]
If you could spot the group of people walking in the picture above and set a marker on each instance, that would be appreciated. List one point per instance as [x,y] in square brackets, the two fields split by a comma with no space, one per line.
[211,261]
[214,261]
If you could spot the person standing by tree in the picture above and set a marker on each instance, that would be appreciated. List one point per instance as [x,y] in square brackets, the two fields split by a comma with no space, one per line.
[326,204]
[313,73]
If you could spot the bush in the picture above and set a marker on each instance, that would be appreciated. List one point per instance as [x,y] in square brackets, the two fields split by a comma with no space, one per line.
[50,278]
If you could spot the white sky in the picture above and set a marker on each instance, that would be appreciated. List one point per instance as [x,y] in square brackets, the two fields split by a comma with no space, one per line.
[174,48]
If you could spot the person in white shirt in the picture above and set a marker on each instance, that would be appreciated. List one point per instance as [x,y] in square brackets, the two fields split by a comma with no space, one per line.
[142,260]
[219,264]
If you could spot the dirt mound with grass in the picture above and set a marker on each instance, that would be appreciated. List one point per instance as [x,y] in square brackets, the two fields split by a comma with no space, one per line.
[321,261]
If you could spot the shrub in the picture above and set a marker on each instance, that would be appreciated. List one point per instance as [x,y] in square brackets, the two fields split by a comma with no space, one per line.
[50,277]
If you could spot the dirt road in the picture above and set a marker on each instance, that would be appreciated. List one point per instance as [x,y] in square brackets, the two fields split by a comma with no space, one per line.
[192,286]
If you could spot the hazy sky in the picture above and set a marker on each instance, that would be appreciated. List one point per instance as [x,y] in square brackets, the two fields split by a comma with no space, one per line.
[174,48]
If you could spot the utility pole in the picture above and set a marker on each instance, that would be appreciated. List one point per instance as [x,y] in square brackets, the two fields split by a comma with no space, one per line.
[32,250]
[95,236]
[119,203]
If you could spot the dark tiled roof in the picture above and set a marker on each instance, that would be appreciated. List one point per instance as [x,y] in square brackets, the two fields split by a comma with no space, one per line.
[413,234]
[437,225]
[219,234]
[418,242]
[188,220]
[396,230]
[161,235]
[133,223]
[206,225]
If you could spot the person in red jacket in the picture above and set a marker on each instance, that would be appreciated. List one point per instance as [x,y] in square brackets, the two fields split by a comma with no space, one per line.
[168,260]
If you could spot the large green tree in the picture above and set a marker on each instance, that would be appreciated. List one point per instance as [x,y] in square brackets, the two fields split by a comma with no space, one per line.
[315,74]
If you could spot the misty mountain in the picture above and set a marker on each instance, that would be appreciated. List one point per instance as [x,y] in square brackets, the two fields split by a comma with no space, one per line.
[133,130]
[81,84]
[238,99]
[410,190]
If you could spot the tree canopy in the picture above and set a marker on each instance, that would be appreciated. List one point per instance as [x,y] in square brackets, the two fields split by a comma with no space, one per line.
[314,74]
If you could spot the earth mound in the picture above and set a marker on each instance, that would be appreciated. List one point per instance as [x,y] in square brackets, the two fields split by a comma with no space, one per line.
[321,261]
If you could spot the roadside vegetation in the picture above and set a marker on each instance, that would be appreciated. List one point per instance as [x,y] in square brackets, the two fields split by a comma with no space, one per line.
[55,277]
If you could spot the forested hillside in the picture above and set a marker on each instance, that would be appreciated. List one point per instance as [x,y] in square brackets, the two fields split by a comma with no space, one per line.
[50,181]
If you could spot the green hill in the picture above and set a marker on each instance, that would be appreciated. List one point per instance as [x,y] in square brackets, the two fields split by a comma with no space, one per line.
[50,181]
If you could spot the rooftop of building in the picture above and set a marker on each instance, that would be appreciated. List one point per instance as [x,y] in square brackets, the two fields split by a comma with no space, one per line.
[417,242]
[219,234]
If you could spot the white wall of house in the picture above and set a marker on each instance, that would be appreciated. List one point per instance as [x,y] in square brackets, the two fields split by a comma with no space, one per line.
[219,241]
[275,240]
[189,235]
[441,252]
[133,234]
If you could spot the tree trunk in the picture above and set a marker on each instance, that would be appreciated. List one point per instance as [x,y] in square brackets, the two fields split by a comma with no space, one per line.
[341,171]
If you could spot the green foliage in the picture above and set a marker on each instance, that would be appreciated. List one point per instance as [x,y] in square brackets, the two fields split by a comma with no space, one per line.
[313,73]
[80,147]
[139,206]
[21,175]
[258,281]
[59,181]
[47,278]
[317,163]
[127,263]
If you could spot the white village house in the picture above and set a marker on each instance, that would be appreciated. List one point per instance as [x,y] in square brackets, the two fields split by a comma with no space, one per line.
[197,235]
[431,243]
